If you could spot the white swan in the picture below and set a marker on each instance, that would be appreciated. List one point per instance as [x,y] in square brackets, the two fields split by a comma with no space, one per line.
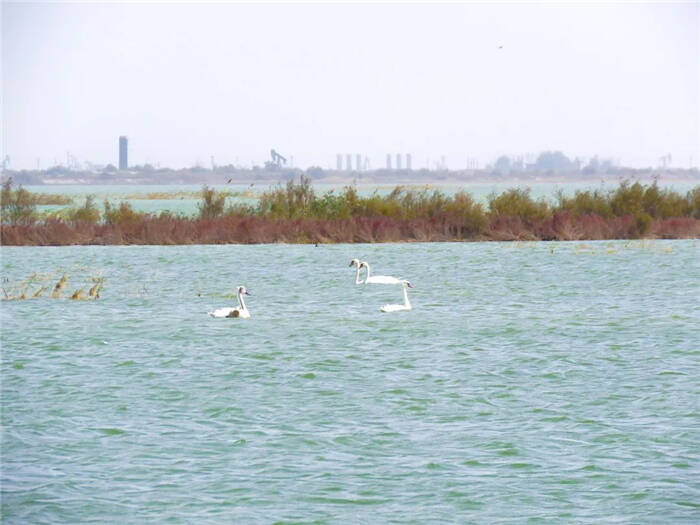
[240,311]
[399,307]
[356,262]
[378,279]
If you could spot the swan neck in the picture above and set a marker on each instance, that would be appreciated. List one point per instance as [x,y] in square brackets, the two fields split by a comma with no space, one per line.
[357,275]
[405,297]
[368,271]
[241,304]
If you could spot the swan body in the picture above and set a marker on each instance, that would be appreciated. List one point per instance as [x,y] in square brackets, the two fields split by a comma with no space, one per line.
[356,263]
[378,279]
[239,311]
[399,307]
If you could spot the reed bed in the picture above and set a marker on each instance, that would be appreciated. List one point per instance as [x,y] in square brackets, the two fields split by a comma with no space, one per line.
[189,195]
[56,199]
[294,213]
[34,286]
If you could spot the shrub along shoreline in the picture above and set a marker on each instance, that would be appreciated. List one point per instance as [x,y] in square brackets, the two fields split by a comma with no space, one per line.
[294,213]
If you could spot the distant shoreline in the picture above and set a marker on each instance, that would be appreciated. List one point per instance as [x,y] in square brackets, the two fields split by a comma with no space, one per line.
[334,177]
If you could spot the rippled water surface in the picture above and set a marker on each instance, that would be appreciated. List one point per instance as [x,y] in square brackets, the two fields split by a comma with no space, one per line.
[531,382]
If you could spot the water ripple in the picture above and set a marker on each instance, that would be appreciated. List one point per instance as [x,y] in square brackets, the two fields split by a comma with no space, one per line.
[526,385]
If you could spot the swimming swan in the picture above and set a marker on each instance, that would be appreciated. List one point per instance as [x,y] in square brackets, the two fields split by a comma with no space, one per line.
[356,262]
[240,311]
[399,307]
[378,279]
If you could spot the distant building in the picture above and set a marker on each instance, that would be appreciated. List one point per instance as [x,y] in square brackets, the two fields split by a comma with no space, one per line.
[388,161]
[408,161]
[348,162]
[358,162]
[339,162]
[123,153]
[398,161]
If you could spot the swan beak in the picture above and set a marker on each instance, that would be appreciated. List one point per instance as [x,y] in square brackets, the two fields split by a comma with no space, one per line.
[248,293]
[409,285]
[352,263]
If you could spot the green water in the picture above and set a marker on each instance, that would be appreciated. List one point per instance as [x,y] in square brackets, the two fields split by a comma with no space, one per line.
[531,382]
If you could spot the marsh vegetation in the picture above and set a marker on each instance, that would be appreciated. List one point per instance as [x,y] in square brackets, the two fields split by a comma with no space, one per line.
[34,286]
[295,213]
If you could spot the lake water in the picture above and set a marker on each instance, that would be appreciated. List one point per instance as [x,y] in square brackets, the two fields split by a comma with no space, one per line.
[531,382]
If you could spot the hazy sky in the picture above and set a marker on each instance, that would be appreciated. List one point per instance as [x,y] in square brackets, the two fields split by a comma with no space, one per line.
[188,81]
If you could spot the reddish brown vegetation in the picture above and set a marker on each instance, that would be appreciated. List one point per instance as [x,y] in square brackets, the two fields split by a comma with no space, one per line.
[295,214]
[252,229]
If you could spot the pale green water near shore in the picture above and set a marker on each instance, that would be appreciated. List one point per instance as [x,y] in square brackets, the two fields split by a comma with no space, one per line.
[532,382]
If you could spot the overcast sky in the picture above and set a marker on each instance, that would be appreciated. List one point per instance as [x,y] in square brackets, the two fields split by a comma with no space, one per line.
[189,81]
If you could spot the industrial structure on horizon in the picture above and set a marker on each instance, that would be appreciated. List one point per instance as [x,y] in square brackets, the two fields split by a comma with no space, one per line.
[123,153]
[361,164]
[549,161]
[399,161]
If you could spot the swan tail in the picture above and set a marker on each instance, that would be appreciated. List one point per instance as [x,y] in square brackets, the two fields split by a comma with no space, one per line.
[220,312]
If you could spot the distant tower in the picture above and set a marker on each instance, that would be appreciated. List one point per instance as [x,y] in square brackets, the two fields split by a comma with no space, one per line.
[398,161]
[348,162]
[123,153]
[388,161]
[339,162]
[358,162]
[408,161]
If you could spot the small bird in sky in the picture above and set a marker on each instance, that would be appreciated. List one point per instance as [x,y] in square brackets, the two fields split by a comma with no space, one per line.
[500,47]
[229,181]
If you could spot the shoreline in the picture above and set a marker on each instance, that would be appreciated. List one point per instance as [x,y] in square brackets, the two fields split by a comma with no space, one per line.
[261,176]
[341,181]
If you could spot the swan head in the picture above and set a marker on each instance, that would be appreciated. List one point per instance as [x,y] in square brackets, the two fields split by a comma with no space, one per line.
[363,264]
[243,291]
[354,262]
[406,283]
